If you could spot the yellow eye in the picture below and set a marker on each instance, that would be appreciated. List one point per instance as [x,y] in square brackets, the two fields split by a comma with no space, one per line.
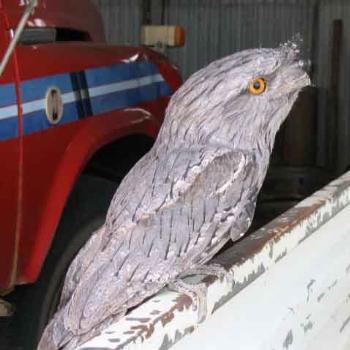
[257,86]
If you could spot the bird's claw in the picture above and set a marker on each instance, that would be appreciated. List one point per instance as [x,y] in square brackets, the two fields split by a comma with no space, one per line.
[212,269]
[198,294]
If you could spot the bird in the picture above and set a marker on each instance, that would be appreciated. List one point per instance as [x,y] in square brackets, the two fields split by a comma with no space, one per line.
[188,196]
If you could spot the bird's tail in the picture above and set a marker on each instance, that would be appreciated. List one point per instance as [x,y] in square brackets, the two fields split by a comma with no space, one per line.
[55,335]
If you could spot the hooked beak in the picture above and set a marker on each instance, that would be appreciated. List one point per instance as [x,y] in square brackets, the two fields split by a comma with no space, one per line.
[295,78]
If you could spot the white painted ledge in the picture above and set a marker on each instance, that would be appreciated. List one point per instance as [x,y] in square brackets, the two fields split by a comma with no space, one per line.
[291,290]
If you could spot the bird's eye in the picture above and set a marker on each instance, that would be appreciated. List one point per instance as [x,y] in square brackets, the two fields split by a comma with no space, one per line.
[257,86]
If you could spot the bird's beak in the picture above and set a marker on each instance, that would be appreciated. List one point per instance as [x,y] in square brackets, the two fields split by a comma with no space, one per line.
[302,81]
[296,78]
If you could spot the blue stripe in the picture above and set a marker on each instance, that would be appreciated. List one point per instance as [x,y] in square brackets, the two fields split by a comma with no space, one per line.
[8,128]
[37,121]
[36,89]
[7,95]
[128,98]
[119,72]
[165,89]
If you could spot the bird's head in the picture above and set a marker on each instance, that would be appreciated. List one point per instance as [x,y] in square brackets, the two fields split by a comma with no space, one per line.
[238,99]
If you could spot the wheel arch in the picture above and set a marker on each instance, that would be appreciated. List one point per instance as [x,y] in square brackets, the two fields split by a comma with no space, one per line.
[82,158]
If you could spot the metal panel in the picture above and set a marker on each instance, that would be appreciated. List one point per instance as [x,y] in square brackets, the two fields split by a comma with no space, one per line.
[287,287]
[122,20]
[219,27]
[216,28]
[329,11]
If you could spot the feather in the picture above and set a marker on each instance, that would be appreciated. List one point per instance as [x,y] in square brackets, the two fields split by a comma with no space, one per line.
[187,197]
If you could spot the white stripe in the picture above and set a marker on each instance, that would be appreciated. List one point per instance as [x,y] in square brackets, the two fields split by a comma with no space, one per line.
[33,106]
[8,112]
[124,85]
[38,105]
[69,97]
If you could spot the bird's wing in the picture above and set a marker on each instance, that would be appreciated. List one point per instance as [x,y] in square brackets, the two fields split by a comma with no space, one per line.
[162,212]
[181,176]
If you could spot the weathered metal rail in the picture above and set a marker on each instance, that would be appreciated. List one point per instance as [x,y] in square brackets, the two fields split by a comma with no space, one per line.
[290,290]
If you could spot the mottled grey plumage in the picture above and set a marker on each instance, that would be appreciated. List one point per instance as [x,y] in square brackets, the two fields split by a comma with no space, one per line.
[182,202]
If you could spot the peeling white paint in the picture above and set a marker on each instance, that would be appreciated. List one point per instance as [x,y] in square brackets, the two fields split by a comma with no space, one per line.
[262,315]
[301,286]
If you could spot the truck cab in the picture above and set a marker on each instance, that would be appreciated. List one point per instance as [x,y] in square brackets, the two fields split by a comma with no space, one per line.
[75,115]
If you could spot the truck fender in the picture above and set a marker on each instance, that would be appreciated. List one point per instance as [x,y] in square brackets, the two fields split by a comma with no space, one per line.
[85,143]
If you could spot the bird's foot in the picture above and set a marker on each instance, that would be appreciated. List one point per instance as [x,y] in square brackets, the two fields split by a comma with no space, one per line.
[212,269]
[207,270]
[198,294]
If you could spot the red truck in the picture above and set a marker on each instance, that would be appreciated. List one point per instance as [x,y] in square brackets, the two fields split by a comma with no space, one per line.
[75,115]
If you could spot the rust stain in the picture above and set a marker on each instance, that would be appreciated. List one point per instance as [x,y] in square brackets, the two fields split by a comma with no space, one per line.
[150,330]
[182,302]
[272,232]
[167,318]
[245,250]
[209,280]
[144,330]
[275,230]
